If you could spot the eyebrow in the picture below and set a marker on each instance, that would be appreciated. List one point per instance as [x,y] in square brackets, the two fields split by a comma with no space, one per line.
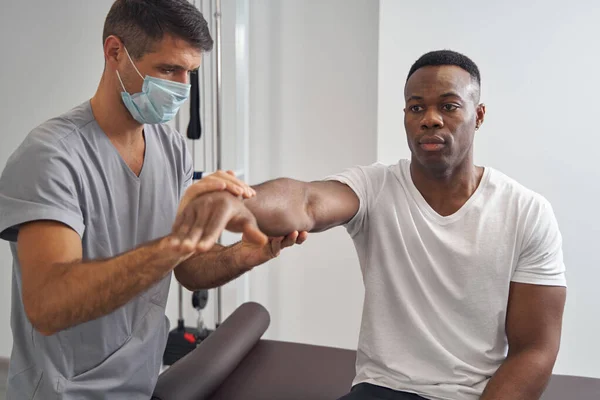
[176,67]
[451,94]
[444,95]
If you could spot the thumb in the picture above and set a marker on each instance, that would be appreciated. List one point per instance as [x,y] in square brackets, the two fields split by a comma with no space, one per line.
[252,234]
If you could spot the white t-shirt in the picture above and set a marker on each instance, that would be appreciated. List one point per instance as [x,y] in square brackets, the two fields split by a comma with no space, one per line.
[436,288]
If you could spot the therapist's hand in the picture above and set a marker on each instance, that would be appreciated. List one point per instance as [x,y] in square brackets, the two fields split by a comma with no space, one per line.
[216,182]
[205,217]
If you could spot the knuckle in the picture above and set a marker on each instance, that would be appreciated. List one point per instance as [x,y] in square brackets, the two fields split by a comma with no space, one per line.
[184,227]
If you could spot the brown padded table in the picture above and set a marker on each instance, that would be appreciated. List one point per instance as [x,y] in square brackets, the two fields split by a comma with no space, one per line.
[234,363]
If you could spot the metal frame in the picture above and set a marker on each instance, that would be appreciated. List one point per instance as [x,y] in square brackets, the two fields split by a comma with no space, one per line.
[211,103]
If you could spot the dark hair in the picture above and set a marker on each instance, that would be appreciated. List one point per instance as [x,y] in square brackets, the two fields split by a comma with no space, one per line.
[141,23]
[447,57]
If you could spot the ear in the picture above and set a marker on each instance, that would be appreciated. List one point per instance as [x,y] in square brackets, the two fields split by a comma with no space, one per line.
[113,49]
[480,116]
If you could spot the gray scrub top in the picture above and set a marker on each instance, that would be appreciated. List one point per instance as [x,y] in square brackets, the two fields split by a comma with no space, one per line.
[67,170]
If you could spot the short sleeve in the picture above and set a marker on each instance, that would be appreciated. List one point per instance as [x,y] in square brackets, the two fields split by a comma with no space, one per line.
[39,182]
[541,259]
[366,183]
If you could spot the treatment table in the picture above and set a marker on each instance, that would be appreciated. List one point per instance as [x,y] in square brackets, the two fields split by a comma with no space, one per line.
[235,363]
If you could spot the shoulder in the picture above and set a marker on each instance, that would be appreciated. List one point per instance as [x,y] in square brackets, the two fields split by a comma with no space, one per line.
[526,204]
[56,132]
[372,172]
[509,188]
[53,139]
[368,181]
[50,151]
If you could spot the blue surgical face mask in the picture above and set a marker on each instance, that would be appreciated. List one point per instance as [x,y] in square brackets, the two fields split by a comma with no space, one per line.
[159,100]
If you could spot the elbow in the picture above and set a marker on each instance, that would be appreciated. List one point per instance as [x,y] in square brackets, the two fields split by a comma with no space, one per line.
[541,359]
[38,317]
[186,280]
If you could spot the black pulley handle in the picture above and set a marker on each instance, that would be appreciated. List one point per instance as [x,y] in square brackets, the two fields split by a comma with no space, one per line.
[194,130]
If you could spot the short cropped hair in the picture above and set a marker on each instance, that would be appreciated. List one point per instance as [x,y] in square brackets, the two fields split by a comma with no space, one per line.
[140,24]
[447,57]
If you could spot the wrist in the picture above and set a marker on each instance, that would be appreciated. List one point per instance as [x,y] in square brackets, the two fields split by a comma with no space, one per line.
[165,250]
[234,257]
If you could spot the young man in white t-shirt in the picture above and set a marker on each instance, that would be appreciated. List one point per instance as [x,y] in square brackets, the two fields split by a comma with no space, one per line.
[462,266]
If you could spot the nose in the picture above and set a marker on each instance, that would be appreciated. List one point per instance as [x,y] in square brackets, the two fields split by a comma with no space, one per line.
[432,119]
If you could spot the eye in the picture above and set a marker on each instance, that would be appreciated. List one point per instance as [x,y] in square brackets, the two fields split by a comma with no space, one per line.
[415,109]
[449,107]
[167,70]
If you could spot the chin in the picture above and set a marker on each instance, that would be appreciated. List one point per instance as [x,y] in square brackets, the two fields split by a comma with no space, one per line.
[437,165]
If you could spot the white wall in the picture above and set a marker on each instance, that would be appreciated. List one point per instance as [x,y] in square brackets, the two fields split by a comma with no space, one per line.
[539,63]
[313,112]
[52,60]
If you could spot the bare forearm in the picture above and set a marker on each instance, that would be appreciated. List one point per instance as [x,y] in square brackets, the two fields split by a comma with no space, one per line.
[80,292]
[212,269]
[523,376]
[281,207]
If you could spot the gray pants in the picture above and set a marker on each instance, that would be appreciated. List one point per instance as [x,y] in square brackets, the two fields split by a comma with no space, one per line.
[366,391]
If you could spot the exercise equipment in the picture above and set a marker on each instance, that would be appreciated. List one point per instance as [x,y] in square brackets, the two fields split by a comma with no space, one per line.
[182,339]
[235,363]
[185,339]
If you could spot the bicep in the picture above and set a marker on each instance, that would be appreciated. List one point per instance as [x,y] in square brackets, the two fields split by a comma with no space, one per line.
[534,317]
[41,247]
[330,203]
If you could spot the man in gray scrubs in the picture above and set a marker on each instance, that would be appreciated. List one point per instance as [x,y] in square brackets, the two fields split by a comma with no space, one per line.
[87,203]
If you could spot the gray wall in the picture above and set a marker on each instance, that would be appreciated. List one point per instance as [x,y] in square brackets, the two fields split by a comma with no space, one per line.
[51,61]
[313,112]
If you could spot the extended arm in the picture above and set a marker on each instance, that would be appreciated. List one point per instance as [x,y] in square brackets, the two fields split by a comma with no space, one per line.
[60,290]
[533,328]
[280,207]
[285,205]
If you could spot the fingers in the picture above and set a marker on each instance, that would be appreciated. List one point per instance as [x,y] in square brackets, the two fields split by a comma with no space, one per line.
[196,232]
[302,236]
[199,225]
[233,184]
[170,248]
[275,246]
[199,188]
[289,240]
[216,222]
[182,225]
[205,186]
[252,234]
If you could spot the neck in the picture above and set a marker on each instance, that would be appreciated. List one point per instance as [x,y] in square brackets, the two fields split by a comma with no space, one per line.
[447,191]
[112,115]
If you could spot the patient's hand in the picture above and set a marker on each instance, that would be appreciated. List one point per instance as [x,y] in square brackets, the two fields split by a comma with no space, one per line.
[249,255]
